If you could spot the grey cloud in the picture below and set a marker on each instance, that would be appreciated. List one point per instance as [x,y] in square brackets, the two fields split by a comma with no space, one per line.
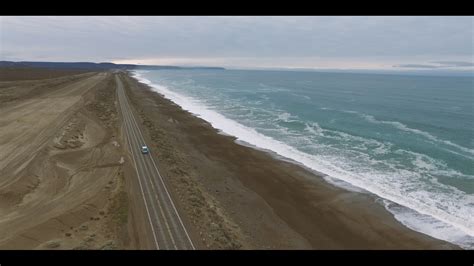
[438,64]
[454,63]
[416,66]
[108,38]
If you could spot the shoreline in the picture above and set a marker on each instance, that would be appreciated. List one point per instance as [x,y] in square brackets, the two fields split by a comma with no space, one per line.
[407,210]
[310,208]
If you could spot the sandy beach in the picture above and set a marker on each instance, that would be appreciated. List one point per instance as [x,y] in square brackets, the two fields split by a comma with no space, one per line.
[239,197]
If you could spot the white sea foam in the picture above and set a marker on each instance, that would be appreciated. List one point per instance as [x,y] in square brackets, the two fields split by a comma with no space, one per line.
[453,207]
[285,117]
[405,128]
[428,225]
[314,128]
[361,143]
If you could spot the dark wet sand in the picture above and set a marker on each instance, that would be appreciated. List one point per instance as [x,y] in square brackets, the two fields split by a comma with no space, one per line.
[275,204]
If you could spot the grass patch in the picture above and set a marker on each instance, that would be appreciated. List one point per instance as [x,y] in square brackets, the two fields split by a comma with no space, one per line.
[119,208]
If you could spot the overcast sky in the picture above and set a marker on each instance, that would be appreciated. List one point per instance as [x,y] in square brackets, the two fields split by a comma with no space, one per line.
[309,42]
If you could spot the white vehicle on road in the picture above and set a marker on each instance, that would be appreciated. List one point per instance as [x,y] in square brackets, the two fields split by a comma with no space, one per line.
[145,149]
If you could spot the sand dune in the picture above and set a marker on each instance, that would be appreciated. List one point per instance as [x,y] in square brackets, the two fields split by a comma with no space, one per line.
[59,170]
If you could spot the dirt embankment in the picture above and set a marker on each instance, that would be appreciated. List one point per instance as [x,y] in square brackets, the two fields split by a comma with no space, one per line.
[62,183]
[20,90]
[29,73]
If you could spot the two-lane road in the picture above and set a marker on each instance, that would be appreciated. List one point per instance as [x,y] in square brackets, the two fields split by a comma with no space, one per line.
[166,225]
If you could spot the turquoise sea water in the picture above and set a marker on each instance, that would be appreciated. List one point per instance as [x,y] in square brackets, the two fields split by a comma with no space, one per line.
[407,139]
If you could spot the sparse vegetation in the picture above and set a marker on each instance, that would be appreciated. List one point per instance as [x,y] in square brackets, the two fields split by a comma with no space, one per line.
[215,230]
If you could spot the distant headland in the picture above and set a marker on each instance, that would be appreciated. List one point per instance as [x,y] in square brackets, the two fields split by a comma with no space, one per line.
[95,66]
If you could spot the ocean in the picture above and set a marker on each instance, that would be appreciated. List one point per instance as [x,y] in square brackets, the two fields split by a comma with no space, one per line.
[407,139]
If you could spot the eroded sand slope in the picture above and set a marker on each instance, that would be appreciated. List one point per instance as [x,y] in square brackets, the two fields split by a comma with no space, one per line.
[61,177]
